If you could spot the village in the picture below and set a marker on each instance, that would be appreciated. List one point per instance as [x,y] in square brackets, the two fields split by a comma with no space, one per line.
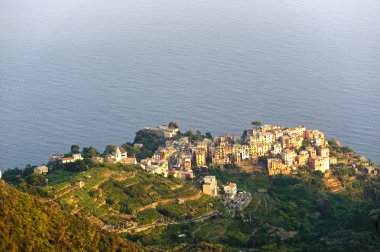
[199,170]
[276,149]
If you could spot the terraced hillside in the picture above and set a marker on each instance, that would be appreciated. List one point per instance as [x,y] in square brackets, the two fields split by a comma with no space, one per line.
[115,194]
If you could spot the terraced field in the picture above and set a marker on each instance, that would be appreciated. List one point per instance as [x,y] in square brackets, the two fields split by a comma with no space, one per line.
[117,193]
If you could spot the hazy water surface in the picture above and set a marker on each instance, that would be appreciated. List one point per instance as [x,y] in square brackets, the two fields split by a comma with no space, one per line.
[93,72]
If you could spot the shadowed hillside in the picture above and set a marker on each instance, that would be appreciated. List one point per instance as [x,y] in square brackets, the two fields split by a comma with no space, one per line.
[27,224]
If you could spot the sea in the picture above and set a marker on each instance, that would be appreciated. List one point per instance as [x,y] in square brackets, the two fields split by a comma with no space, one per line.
[94,72]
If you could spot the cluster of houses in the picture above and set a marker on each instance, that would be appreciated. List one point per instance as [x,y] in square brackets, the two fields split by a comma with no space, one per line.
[281,146]
[119,155]
[285,149]
[173,159]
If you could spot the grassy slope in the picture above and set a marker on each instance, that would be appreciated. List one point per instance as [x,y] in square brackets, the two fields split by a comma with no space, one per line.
[28,224]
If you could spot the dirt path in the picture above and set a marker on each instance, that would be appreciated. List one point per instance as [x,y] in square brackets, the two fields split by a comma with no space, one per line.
[132,184]
[165,201]
[194,197]
[154,205]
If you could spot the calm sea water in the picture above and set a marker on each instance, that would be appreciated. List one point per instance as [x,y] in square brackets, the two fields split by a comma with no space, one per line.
[94,72]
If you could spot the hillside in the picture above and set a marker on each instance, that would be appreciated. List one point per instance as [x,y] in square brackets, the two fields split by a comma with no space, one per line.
[28,224]
[296,213]
[123,196]
[306,210]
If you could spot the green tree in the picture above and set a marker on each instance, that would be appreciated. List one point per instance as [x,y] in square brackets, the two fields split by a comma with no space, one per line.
[74,149]
[173,125]
[36,179]
[194,135]
[12,175]
[208,135]
[76,166]
[132,151]
[346,149]
[28,170]
[150,140]
[109,149]
[89,152]
[55,164]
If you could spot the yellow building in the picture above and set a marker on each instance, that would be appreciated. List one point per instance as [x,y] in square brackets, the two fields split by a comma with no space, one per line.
[333,160]
[186,163]
[228,150]
[312,152]
[260,149]
[302,158]
[266,137]
[200,157]
[253,149]
[314,134]
[275,166]
[323,151]
[237,148]
[203,144]
[253,140]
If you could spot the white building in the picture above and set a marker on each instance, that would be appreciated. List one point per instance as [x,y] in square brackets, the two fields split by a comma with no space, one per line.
[71,159]
[162,168]
[230,190]
[277,148]
[163,131]
[41,169]
[119,155]
[320,164]
[77,156]
[288,156]
[210,186]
